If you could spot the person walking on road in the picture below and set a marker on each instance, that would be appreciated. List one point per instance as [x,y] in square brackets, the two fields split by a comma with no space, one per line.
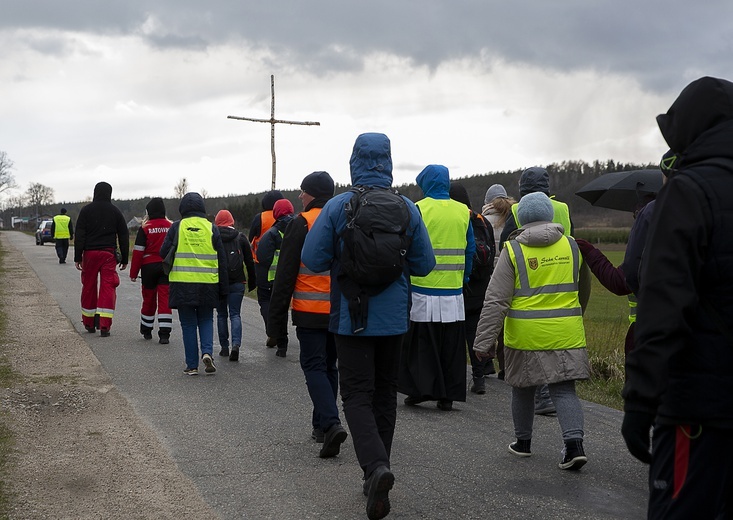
[496,210]
[534,293]
[100,230]
[239,257]
[147,262]
[678,376]
[310,295]
[433,359]
[198,279]
[62,231]
[475,288]
[368,355]
[269,257]
[261,223]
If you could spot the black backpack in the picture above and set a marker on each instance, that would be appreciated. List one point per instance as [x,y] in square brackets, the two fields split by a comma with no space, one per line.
[483,258]
[375,244]
[375,238]
[235,258]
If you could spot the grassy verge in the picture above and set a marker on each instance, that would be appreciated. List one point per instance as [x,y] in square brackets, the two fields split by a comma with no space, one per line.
[606,322]
[7,379]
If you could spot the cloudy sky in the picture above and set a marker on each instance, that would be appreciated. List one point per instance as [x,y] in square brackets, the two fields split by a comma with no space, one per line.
[137,93]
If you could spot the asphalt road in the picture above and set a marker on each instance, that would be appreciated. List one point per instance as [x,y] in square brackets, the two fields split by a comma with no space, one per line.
[242,435]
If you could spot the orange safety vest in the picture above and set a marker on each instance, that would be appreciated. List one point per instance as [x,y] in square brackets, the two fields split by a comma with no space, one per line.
[266,222]
[312,290]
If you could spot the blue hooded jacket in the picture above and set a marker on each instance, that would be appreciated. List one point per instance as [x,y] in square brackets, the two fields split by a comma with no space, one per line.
[371,165]
[434,181]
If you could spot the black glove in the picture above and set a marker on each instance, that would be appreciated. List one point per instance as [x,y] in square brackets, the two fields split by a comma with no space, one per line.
[635,430]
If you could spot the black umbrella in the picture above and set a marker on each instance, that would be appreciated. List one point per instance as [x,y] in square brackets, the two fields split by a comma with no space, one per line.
[625,191]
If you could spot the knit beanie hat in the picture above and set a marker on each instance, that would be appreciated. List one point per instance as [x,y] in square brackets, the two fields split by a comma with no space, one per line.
[155,208]
[494,191]
[282,208]
[535,207]
[269,199]
[459,193]
[318,185]
[224,219]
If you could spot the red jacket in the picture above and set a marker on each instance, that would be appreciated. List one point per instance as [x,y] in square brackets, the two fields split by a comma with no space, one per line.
[147,244]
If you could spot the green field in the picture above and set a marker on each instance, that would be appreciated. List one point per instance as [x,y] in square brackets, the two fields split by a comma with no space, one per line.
[606,322]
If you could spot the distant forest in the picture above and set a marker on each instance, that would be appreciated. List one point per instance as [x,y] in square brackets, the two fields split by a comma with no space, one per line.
[566,178]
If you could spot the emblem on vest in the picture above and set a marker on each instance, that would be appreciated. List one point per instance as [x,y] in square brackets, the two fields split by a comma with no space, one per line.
[533,264]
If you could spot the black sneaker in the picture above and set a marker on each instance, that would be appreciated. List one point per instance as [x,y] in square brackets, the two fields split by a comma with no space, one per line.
[209,364]
[191,371]
[104,333]
[164,340]
[573,456]
[90,330]
[224,351]
[281,352]
[478,386]
[271,342]
[414,401]
[521,447]
[445,405]
[147,335]
[234,355]
[332,441]
[379,484]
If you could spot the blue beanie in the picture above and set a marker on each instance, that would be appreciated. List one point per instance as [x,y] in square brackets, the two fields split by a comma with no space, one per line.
[535,207]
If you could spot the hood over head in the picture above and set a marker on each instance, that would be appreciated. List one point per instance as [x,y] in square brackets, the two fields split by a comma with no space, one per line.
[371,161]
[269,199]
[458,192]
[155,208]
[282,208]
[103,191]
[318,185]
[703,104]
[224,218]
[63,211]
[434,181]
[192,203]
[534,179]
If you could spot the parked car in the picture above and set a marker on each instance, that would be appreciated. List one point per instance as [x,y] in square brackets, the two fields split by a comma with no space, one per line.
[43,233]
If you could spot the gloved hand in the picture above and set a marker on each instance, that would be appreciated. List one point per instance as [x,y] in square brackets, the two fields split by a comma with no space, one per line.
[584,246]
[635,430]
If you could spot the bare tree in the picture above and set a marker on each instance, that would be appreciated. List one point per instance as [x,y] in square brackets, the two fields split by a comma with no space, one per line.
[39,195]
[181,188]
[204,194]
[7,180]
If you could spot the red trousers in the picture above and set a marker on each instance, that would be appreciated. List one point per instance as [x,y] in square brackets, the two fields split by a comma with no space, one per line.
[99,281]
[156,300]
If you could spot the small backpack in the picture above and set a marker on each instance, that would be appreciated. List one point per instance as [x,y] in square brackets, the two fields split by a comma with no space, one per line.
[375,239]
[235,258]
[483,258]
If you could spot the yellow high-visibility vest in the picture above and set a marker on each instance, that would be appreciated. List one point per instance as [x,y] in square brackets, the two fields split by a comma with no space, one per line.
[447,222]
[632,308]
[545,312]
[561,215]
[61,226]
[195,260]
[275,259]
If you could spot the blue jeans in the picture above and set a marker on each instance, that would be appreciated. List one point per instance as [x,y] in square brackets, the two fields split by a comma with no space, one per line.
[230,309]
[196,322]
[318,361]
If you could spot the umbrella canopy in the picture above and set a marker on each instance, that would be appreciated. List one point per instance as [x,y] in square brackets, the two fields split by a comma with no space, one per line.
[625,191]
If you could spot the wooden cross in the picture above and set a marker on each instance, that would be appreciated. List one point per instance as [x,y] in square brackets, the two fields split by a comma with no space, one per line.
[272,122]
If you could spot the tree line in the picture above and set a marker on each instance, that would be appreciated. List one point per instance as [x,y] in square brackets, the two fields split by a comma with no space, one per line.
[566,178]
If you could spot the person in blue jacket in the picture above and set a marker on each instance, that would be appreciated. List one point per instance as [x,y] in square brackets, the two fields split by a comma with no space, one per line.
[368,360]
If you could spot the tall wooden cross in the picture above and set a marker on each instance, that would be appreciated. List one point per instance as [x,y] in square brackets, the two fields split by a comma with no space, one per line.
[273,122]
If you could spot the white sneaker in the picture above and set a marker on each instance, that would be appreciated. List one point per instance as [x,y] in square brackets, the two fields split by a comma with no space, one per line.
[209,363]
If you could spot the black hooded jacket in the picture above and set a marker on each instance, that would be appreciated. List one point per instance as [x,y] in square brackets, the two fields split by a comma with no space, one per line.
[196,294]
[680,368]
[101,226]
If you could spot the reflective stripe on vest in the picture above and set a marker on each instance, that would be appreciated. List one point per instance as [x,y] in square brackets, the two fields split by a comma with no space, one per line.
[632,308]
[312,290]
[561,215]
[447,221]
[275,259]
[61,226]
[545,312]
[266,222]
[195,260]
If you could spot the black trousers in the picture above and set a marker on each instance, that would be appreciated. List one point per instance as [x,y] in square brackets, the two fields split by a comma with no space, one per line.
[368,380]
[62,248]
[479,368]
[691,474]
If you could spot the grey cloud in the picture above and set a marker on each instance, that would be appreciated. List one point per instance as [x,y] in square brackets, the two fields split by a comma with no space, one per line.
[657,42]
